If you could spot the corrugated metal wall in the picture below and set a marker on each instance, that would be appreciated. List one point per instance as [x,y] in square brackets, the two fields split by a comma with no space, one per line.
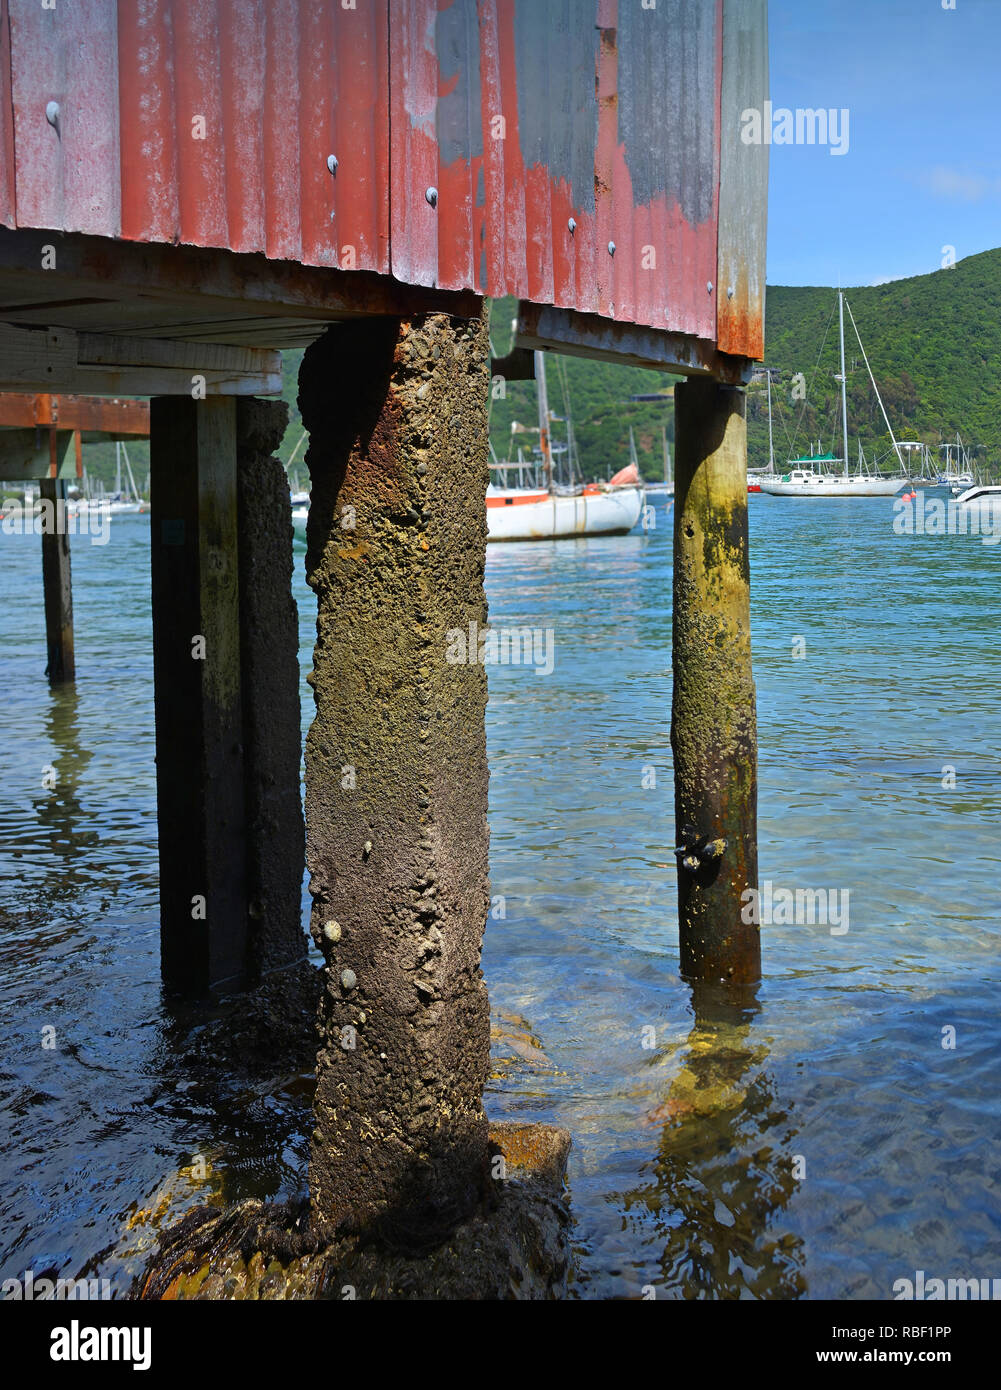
[468,136]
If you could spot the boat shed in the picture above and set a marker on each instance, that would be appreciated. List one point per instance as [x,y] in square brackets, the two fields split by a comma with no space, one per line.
[188,187]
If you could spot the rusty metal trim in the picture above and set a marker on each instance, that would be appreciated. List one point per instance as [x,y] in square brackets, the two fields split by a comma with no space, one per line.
[743,199]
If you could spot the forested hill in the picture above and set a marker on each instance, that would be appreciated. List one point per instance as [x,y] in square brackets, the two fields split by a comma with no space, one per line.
[934,345]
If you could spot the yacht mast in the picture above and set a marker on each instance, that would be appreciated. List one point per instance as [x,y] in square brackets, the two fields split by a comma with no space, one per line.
[771,450]
[844,377]
[879,398]
[540,382]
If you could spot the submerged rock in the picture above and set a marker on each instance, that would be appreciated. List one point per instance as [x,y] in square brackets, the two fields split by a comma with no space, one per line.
[516,1246]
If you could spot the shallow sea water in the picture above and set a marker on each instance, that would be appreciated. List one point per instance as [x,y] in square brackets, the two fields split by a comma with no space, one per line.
[819,1141]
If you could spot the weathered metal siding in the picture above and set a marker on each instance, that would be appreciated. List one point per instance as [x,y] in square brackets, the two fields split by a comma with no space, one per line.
[743,183]
[67,169]
[467,137]
[8,214]
[281,85]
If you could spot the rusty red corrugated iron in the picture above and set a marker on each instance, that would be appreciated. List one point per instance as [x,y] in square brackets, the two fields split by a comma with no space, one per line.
[564,151]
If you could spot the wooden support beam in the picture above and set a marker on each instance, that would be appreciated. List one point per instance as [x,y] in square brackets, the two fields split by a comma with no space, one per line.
[518,365]
[713,722]
[588,335]
[96,416]
[34,359]
[197,683]
[145,286]
[28,454]
[56,583]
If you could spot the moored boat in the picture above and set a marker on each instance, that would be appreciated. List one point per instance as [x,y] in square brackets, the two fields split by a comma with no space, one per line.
[820,475]
[549,511]
[530,514]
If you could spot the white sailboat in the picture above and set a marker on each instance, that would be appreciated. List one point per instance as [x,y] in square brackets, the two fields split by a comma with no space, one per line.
[551,512]
[819,476]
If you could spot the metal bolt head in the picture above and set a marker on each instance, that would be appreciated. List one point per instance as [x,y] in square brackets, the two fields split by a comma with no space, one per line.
[431,194]
[572,225]
[611,248]
[52,113]
[709,287]
[729,291]
[332,163]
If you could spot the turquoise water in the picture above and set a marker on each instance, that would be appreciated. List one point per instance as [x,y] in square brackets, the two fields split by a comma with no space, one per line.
[819,1141]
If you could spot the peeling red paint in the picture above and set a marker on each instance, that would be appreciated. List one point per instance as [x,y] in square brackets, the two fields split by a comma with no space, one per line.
[284,87]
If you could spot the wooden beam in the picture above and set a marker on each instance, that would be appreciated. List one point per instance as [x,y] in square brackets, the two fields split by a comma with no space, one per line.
[98,415]
[40,359]
[122,278]
[197,688]
[27,454]
[56,583]
[587,335]
[713,721]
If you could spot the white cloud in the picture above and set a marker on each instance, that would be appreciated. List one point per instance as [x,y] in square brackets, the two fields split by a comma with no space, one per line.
[959,186]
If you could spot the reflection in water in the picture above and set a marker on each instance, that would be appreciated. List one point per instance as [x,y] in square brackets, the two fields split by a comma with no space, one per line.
[63,824]
[725,1169]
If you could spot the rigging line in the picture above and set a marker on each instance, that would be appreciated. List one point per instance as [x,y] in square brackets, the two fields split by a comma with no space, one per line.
[896,446]
[799,424]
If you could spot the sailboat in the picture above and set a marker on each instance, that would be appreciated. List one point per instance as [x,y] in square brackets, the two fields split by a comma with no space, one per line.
[551,511]
[818,475]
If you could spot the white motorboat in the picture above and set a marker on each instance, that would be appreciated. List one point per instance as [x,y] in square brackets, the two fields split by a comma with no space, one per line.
[984,495]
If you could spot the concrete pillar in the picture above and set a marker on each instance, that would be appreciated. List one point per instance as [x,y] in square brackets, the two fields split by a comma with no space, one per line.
[396,773]
[198,698]
[713,723]
[57,583]
[269,653]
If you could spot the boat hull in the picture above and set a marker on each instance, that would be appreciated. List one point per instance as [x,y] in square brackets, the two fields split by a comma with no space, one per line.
[833,487]
[545,516]
[532,515]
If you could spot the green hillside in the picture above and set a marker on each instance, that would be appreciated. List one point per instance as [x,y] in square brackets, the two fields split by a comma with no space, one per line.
[934,343]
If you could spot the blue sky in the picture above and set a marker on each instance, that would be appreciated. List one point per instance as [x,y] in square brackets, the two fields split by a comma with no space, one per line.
[923,168]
